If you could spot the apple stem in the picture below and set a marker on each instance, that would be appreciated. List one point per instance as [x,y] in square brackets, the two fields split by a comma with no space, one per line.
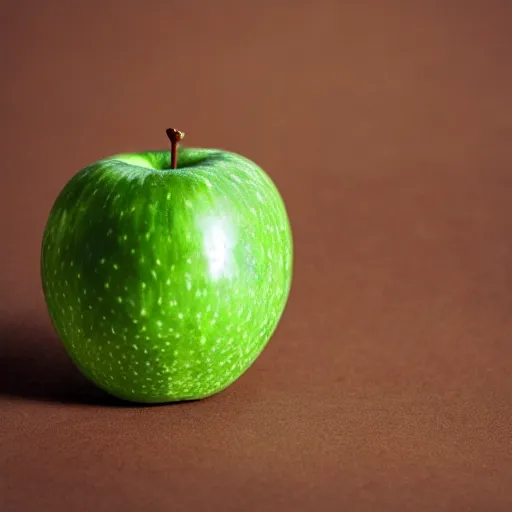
[174,136]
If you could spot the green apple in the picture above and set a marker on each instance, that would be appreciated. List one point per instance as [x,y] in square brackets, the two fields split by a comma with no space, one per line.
[164,280]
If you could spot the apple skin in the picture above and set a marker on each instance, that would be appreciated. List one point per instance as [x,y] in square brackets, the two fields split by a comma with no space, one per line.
[166,284]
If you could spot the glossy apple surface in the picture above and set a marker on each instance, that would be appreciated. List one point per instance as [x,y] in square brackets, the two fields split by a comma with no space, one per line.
[166,284]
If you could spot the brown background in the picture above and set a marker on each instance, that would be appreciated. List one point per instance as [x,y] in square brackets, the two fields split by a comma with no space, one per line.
[387,127]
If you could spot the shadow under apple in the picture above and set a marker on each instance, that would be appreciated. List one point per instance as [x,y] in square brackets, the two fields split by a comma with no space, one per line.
[34,366]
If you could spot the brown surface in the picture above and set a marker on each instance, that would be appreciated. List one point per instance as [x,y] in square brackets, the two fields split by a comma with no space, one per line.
[388,130]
